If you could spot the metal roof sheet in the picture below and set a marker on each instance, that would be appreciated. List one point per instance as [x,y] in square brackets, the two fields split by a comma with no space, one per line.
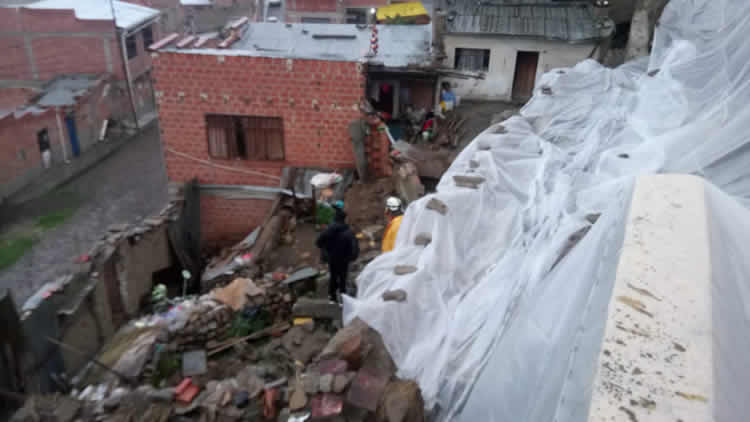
[128,15]
[65,91]
[573,21]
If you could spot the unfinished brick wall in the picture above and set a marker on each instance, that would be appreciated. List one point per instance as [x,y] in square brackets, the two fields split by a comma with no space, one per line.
[312,5]
[316,100]
[20,158]
[40,44]
[227,221]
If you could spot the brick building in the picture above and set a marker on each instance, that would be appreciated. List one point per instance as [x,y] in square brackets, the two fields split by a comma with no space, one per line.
[276,96]
[49,38]
[332,11]
[198,16]
[65,118]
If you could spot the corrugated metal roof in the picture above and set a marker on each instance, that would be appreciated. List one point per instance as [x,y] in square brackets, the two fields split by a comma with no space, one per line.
[399,45]
[128,15]
[65,91]
[574,21]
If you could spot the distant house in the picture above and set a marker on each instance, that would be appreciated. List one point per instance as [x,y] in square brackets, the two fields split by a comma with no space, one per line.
[512,42]
[57,122]
[49,38]
[237,112]
[68,70]
[332,11]
[197,16]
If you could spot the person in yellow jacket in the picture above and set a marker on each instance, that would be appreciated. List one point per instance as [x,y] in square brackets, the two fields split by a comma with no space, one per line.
[394,213]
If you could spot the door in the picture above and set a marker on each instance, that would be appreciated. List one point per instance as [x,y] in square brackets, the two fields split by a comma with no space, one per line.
[523,79]
[70,122]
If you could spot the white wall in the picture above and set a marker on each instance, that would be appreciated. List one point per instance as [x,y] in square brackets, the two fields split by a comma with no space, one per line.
[498,84]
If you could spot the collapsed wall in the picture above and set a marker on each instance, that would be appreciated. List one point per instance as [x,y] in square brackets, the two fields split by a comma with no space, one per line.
[506,307]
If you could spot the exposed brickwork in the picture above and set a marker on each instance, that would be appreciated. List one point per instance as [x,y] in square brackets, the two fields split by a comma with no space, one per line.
[56,42]
[312,5]
[20,158]
[378,153]
[19,152]
[227,221]
[316,100]
[12,98]
[365,3]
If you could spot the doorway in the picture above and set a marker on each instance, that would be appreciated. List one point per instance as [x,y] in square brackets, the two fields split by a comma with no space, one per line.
[525,75]
[42,138]
[70,122]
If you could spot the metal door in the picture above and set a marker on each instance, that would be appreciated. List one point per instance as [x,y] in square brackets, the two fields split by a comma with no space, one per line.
[70,123]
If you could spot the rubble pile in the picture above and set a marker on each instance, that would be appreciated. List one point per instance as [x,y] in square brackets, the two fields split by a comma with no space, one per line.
[197,322]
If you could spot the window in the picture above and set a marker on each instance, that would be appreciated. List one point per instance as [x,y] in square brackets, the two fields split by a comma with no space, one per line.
[316,20]
[148,37]
[356,16]
[472,59]
[245,137]
[131,46]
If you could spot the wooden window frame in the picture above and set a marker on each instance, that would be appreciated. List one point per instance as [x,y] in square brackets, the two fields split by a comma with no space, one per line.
[248,138]
[484,53]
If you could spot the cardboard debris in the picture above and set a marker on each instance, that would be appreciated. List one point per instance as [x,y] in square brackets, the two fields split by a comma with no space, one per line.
[236,294]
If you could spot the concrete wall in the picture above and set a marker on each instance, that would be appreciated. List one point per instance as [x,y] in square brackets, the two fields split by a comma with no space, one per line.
[498,84]
[656,361]
[316,100]
[89,306]
[135,263]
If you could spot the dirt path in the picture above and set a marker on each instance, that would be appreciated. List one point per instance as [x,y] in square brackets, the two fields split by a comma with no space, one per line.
[127,186]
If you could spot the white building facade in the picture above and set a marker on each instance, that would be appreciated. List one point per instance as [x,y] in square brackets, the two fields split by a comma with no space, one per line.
[510,45]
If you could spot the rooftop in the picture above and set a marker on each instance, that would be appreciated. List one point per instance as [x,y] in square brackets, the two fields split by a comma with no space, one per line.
[60,92]
[66,90]
[127,15]
[398,45]
[571,21]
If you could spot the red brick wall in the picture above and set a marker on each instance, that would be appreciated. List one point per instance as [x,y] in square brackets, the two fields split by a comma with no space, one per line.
[12,98]
[316,100]
[142,62]
[21,135]
[365,3]
[14,64]
[55,49]
[227,221]
[67,55]
[311,5]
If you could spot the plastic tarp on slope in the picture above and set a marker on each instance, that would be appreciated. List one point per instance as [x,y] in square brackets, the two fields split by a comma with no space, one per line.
[496,326]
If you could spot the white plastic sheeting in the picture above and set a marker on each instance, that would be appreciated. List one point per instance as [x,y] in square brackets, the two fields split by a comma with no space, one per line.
[496,327]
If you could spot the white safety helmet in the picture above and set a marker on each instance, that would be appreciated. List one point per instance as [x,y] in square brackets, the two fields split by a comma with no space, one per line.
[393,204]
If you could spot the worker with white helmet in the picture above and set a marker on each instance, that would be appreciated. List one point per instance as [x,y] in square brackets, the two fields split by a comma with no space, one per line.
[394,213]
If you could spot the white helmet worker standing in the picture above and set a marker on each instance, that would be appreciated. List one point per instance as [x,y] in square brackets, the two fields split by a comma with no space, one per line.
[394,213]
[393,204]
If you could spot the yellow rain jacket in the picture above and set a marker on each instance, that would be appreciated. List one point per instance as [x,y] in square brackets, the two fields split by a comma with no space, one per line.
[389,238]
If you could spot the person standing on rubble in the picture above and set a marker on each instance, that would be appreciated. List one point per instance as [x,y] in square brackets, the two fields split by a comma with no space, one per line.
[394,213]
[341,247]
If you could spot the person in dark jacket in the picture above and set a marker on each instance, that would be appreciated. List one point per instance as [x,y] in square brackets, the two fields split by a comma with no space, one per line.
[341,247]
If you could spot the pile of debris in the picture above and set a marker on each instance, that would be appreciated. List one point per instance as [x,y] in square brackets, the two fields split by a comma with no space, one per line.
[304,374]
